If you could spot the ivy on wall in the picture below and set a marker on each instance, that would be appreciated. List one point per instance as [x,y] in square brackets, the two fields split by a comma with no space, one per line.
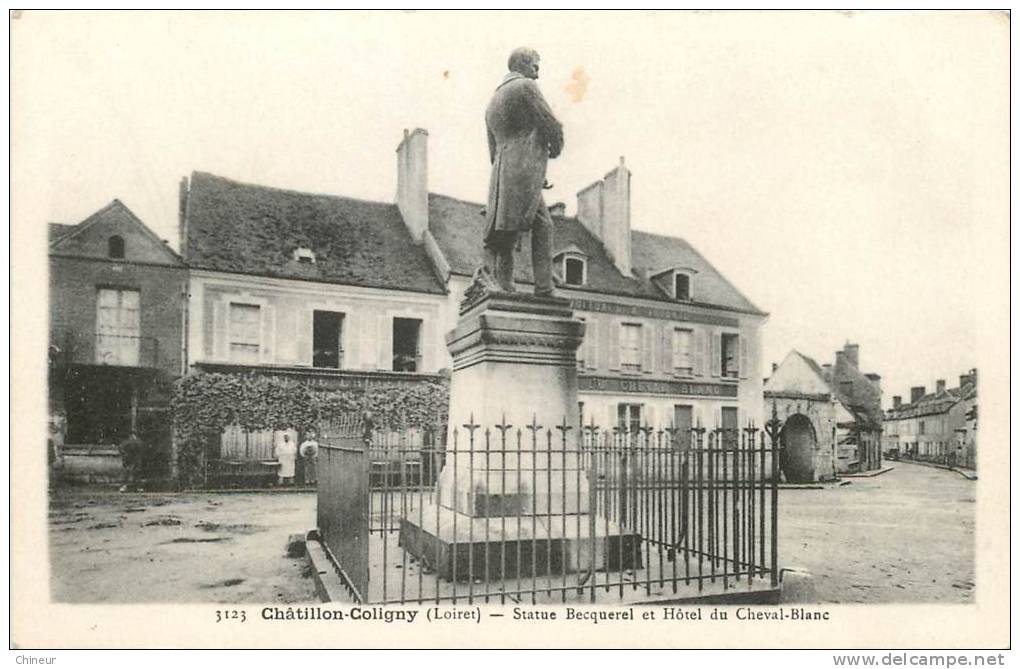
[205,404]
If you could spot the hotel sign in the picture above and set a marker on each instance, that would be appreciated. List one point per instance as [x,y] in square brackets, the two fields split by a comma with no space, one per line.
[609,384]
[639,311]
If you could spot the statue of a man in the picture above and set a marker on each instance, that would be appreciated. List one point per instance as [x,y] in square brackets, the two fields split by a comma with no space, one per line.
[523,135]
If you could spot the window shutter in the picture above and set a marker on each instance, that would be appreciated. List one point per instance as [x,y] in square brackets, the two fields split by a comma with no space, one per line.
[267,337]
[384,342]
[665,348]
[715,353]
[743,364]
[698,344]
[614,345]
[648,348]
[305,329]
[351,341]
[591,342]
[648,419]
[220,331]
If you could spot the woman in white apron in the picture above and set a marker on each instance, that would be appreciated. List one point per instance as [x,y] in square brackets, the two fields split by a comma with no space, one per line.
[286,454]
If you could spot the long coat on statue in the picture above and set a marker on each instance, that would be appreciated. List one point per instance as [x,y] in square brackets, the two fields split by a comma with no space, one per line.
[523,135]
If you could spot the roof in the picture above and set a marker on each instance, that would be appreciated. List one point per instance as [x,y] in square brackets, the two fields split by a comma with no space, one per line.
[863,398]
[58,230]
[251,229]
[84,239]
[458,225]
[651,252]
[934,403]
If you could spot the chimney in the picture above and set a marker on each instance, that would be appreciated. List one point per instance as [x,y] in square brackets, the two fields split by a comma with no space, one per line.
[558,209]
[827,369]
[604,208]
[969,377]
[897,401]
[940,386]
[840,357]
[775,366]
[846,388]
[916,393]
[182,217]
[875,379]
[412,182]
[852,353]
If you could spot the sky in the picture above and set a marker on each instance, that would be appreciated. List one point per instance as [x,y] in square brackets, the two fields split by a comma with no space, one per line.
[844,170]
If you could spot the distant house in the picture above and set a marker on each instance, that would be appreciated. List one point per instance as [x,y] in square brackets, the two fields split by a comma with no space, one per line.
[938,427]
[117,295]
[832,415]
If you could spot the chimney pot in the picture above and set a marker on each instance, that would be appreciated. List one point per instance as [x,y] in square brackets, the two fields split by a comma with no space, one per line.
[852,354]
[604,209]
[940,386]
[558,209]
[775,366]
[897,401]
[916,393]
[412,182]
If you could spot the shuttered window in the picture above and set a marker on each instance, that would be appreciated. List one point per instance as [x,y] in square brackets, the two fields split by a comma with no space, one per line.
[630,346]
[245,333]
[683,346]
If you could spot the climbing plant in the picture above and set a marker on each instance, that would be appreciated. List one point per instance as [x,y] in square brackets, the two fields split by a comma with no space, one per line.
[205,404]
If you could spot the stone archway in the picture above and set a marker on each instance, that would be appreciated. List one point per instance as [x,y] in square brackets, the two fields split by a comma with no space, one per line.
[798,454]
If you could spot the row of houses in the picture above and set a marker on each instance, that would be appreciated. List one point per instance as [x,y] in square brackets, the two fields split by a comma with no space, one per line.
[338,292]
[940,426]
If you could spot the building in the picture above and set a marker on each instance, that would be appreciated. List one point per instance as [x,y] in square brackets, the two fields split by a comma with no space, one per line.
[938,427]
[832,416]
[331,291]
[669,340]
[117,295]
[336,291]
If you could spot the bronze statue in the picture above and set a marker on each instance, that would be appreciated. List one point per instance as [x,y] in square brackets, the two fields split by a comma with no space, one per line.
[523,135]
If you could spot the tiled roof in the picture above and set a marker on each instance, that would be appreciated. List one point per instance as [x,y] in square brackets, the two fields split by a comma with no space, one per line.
[458,226]
[249,229]
[934,403]
[651,253]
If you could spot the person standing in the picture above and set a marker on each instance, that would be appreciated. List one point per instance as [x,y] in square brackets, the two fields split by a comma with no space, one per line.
[286,455]
[131,461]
[523,135]
[310,454]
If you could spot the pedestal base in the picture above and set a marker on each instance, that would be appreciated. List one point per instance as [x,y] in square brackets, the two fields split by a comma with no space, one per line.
[461,547]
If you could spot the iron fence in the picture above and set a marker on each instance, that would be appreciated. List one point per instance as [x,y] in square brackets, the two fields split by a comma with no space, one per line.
[546,515]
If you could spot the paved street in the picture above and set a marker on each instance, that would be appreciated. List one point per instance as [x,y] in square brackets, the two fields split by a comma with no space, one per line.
[904,536]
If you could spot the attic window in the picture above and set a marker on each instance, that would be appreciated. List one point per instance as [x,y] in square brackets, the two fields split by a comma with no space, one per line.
[304,255]
[574,268]
[115,247]
[682,286]
[574,271]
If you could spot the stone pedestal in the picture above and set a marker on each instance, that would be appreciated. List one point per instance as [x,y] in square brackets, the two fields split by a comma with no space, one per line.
[513,495]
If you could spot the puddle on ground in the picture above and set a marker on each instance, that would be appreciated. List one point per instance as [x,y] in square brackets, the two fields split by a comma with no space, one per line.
[103,526]
[228,583]
[134,509]
[238,528]
[196,540]
[164,520]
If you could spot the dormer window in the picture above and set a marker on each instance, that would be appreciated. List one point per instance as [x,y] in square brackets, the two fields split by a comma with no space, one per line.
[573,266]
[676,282]
[115,247]
[682,286]
[304,255]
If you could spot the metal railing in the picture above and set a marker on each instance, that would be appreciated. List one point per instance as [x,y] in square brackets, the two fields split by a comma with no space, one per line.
[551,515]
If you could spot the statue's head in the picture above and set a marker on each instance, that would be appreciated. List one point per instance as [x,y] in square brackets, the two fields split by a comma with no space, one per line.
[524,61]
